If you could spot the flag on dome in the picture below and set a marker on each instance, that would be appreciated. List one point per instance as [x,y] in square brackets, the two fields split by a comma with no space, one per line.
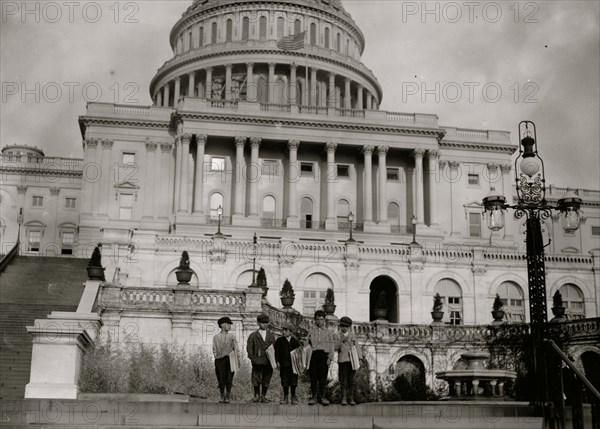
[293,42]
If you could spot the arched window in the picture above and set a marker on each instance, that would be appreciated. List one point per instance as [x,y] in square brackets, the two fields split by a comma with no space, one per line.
[451,295]
[190,41]
[262,28]
[306,213]
[327,37]
[229,30]
[280,27]
[514,304]
[315,287]
[393,214]
[338,43]
[201,37]
[216,200]
[297,26]
[268,207]
[573,301]
[343,210]
[280,92]
[245,28]
[347,47]
[213,34]
[313,34]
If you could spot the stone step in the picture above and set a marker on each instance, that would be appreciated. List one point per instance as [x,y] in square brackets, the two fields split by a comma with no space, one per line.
[133,414]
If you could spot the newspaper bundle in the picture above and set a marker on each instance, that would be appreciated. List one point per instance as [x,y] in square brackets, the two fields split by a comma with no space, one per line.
[233,361]
[298,364]
[354,360]
[271,356]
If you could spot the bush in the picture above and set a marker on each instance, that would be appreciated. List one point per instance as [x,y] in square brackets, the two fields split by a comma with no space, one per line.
[184,261]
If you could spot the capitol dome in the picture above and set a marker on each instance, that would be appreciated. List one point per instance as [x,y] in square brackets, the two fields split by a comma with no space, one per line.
[301,52]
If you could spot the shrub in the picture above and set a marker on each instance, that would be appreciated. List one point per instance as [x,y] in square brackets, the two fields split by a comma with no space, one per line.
[498,304]
[96,259]
[437,303]
[261,278]
[184,262]
[287,290]
[557,300]
[329,296]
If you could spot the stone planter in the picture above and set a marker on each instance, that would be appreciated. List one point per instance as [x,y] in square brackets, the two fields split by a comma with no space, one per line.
[437,316]
[287,301]
[95,273]
[559,314]
[183,276]
[265,289]
[380,313]
[329,308]
[498,316]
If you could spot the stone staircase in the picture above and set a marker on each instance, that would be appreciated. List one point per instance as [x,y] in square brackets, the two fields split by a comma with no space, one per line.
[31,288]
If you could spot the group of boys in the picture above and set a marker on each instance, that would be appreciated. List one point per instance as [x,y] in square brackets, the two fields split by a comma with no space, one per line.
[323,344]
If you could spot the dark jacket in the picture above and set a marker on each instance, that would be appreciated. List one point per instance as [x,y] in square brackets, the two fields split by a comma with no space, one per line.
[257,347]
[283,347]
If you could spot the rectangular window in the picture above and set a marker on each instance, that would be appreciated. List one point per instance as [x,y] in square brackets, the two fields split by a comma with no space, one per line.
[473,179]
[125,206]
[306,169]
[453,300]
[595,230]
[70,203]
[37,201]
[33,241]
[313,300]
[217,163]
[270,167]
[128,158]
[455,318]
[67,243]
[393,175]
[343,171]
[474,225]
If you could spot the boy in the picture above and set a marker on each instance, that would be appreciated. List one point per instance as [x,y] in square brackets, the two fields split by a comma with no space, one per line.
[258,343]
[283,347]
[345,339]
[224,344]
[322,342]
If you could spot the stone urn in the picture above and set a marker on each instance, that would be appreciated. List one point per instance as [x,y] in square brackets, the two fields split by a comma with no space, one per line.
[95,273]
[498,316]
[287,301]
[184,276]
[437,316]
[329,308]
[559,313]
[380,313]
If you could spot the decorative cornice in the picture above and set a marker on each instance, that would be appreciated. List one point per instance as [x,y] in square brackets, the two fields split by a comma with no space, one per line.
[308,123]
[479,146]
[130,123]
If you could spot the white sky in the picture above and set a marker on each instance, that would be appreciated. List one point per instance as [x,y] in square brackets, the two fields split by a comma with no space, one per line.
[544,56]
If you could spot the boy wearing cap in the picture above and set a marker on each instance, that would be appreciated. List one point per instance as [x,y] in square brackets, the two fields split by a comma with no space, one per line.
[258,343]
[283,349]
[223,344]
[345,339]
[322,342]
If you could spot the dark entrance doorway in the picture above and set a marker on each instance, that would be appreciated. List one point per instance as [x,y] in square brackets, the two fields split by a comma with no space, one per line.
[386,285]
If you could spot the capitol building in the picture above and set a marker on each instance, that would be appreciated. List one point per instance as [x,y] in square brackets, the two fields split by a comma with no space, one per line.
[265,121]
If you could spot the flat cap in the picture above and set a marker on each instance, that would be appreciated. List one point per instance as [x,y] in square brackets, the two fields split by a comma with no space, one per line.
[345,321]
[224,320]
[263,318]
[289,326]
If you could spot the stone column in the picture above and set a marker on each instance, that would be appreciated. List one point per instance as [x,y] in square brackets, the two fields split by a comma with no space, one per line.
[91,174]
[149,191]
[418,155]
[293,92]
[158,101]
[382,183]
[250,85]
[183,177]
[177,174]
[368,184]
[313,87]
[293,176]
[199,185]
[347,98]
[177,91]
[359,98]
[373,103]
[208,86]
[238,209]
[434,158]
[191,84]
[331,179]
[107,193]
[368,100]
[331,91]
[305,89]
[167,94]
[253,174]
[228,81]
[165,179]
[271,83]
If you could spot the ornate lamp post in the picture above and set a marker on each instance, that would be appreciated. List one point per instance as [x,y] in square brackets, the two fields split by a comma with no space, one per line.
[350,220]
[253,284]
[413,221]
[219,214]
[532,204]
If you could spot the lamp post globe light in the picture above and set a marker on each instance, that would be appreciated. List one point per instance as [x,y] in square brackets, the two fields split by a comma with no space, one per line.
[219,214]
[350,220]
[253,284]
[414,230]
[532,204]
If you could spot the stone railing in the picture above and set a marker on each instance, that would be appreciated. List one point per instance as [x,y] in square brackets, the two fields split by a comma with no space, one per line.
[274,107]
[42,164]
[400,117]
[180,299]
[131,110]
